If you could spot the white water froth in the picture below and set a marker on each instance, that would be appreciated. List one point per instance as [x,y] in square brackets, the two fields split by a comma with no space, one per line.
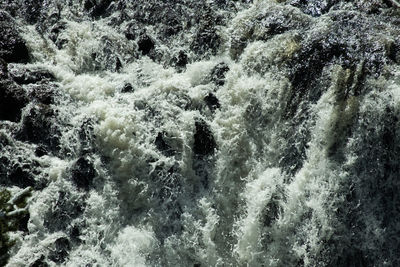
[253,215]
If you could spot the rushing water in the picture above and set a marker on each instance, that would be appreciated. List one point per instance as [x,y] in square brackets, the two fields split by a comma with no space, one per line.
[204,133]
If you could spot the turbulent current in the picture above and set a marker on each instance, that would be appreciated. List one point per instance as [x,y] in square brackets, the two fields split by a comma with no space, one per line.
[199,133]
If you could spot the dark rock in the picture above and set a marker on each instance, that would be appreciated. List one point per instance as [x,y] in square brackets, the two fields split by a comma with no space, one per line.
[23,223]
[163,146]
[173,24]
[83,173]
[206,41]
[146,44]
[26,76]
[75,233]
[118,64]
[3,69]
[41,151]
[39,127]
[86,137]
[314,8]
[43,93]
[12,99]
[65,210]
[4,165]
[98,9]
[20,176]
[351,257]
[218,73]
[12,47]
[204,143]
[32,10]
[132,31]
[55,33]
[61,250]
[275,20]
[180,60]
[40,262]
[128,88]
[212,102]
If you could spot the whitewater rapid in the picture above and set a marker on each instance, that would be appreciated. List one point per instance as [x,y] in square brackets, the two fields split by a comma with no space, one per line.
[272,144]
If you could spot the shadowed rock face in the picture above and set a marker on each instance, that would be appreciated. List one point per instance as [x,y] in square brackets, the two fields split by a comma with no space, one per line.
[12,47]
[12,99]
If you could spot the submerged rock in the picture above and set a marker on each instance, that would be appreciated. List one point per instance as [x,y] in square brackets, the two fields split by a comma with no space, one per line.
[218,73]
[66,208]
[83,173]
[39,126]
[13,99]
[61,249]
[212,102]
[23,75]
[163,146]
[40,262]
[204,143]
[127,88]
[145,44]
[98,9]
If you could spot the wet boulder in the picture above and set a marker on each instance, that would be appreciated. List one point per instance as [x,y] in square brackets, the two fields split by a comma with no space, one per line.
[39,126]
[218,73]
[163,146]
[204,143]
[20,176]
[212,102]
[127,88]
[23,75]
[3,69]
[40,262]
[55,33]
[206,41]
[12,46]
[270,20]
[42,93]
[13,99]
[83,173]
[314,8]
[32,10]
[179,60]
[60,251]
[132,30]
[145,44]
[97,9]
[66,208]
